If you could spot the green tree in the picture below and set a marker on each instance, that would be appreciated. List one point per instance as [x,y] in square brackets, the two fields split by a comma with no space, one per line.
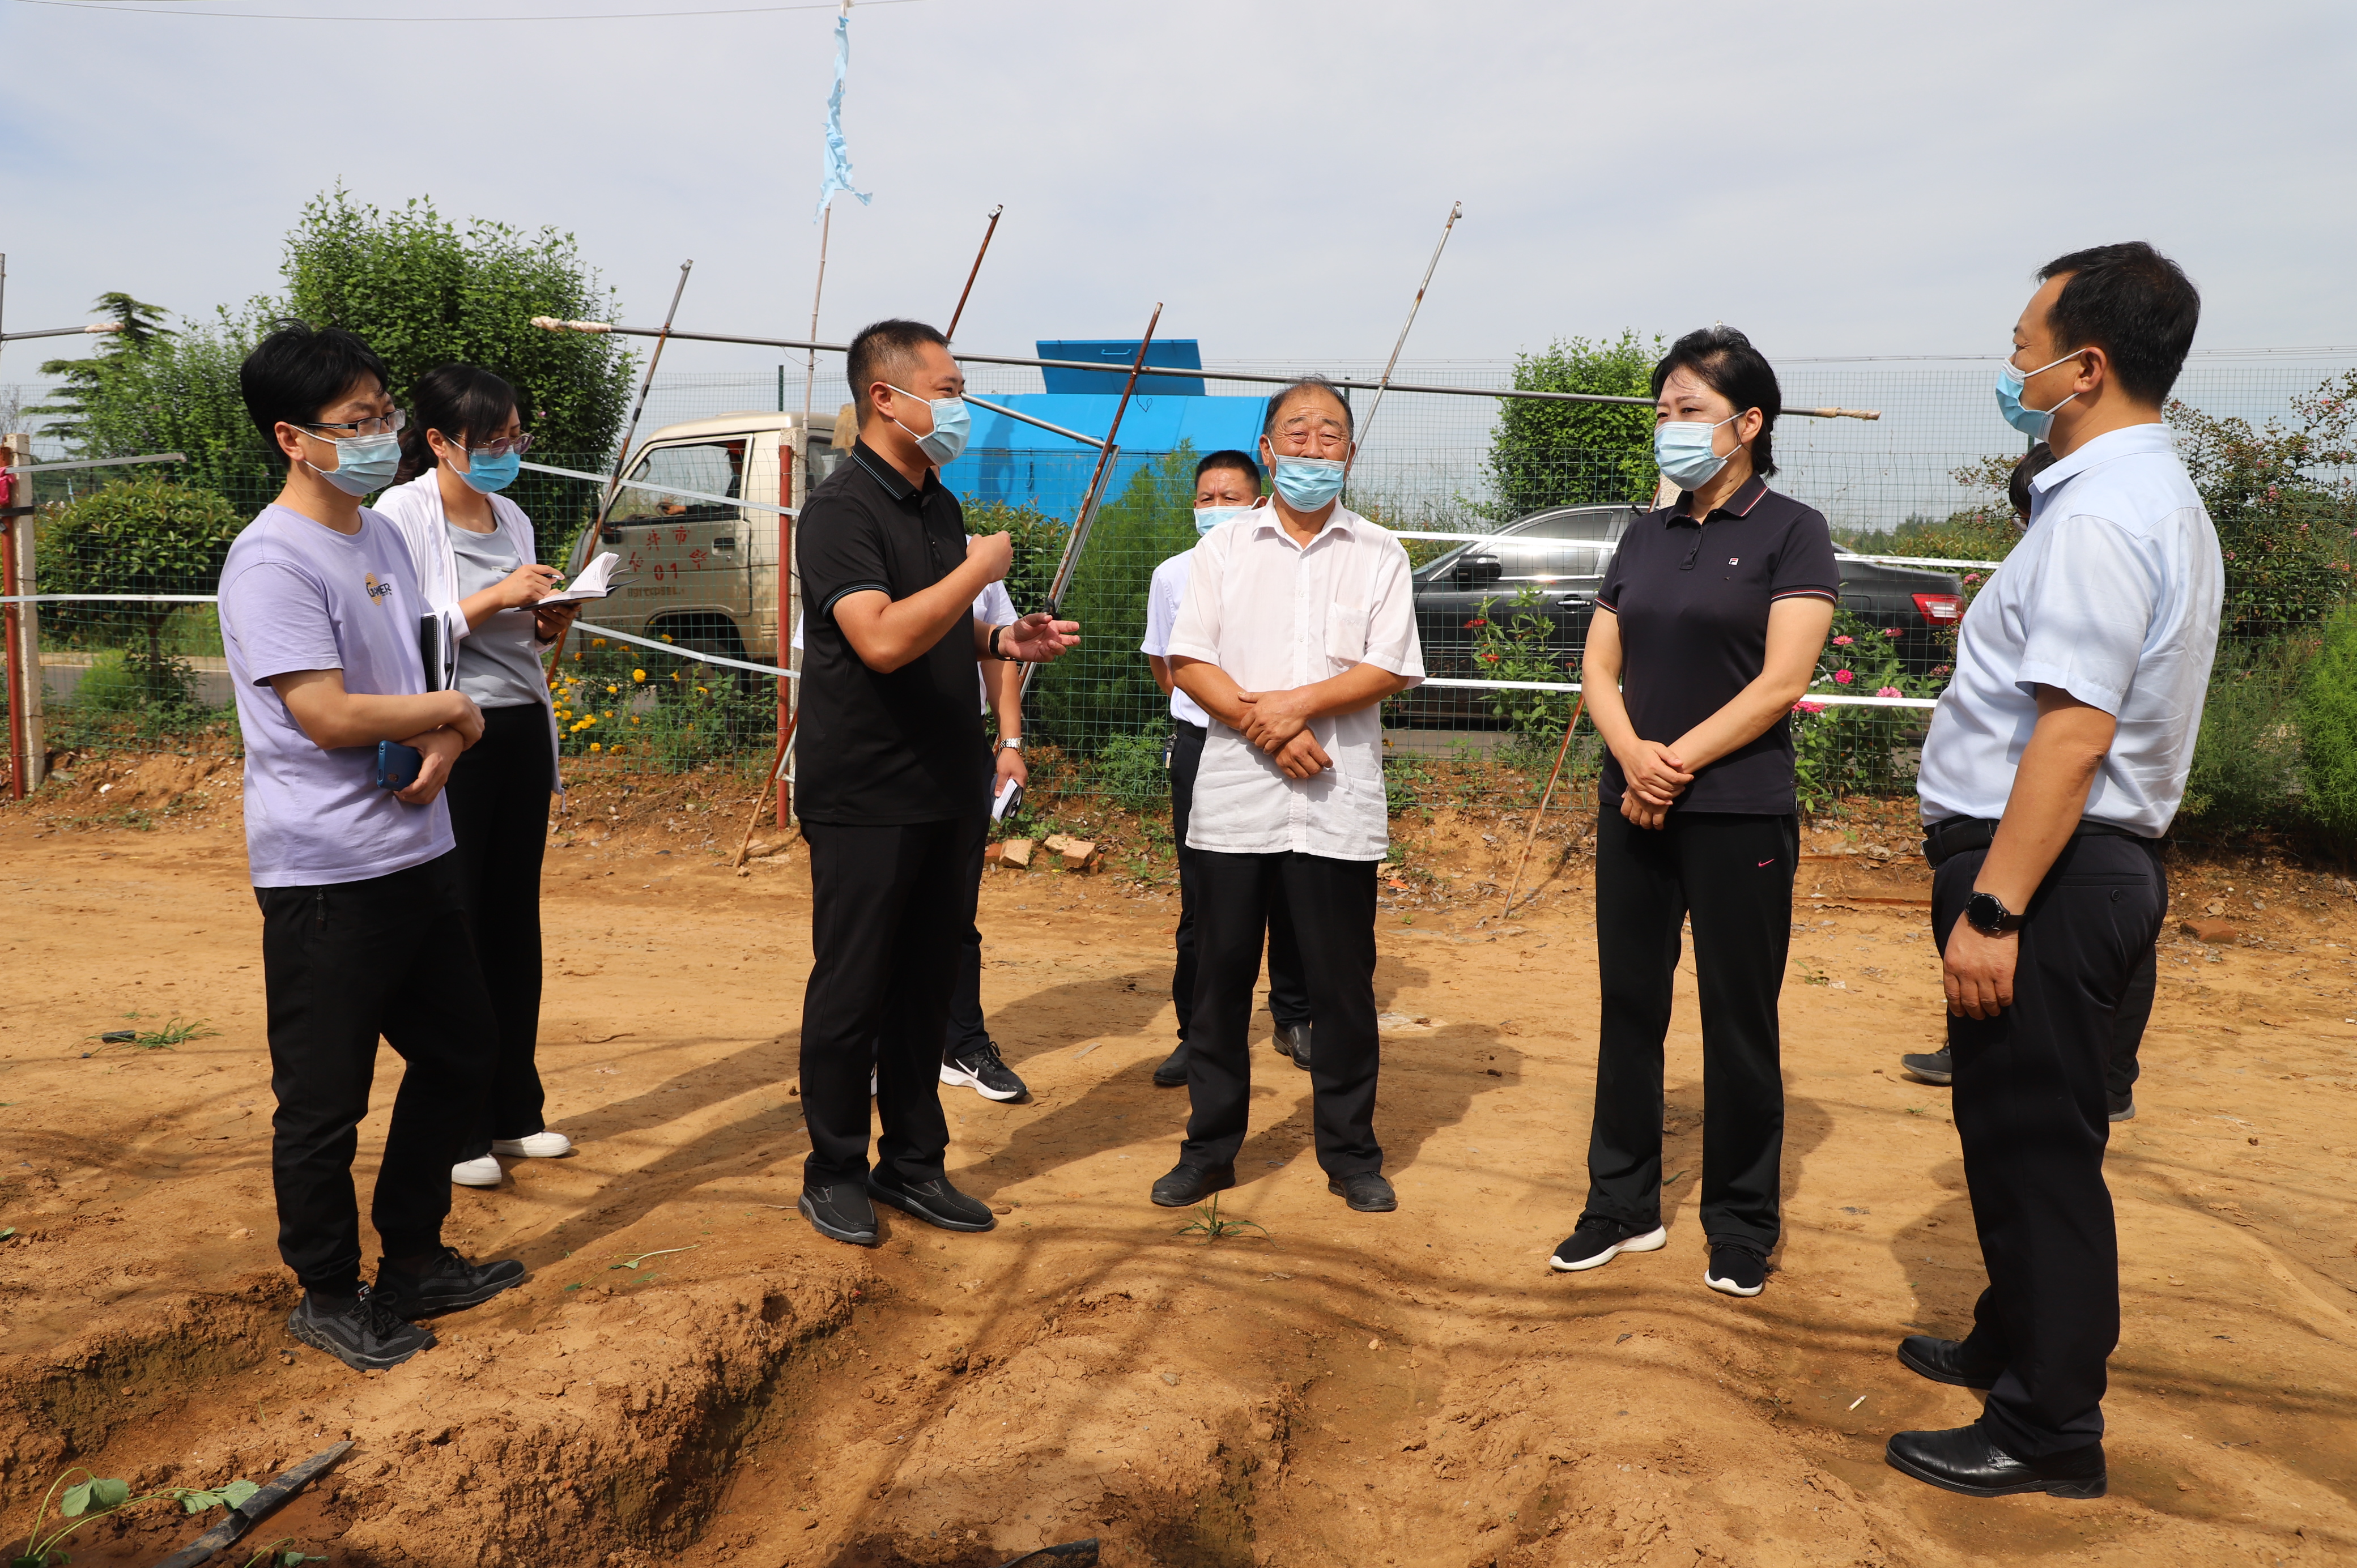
[1576,454]
[423,293]
[177,391]
[2327,731]
[2282,511]
[137,325]
[142,535]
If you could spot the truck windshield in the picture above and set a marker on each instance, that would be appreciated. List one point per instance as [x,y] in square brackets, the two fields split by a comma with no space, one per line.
[715,468]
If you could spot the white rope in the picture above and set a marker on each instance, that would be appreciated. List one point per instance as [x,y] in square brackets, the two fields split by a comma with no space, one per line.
[1829,699]
[685,653]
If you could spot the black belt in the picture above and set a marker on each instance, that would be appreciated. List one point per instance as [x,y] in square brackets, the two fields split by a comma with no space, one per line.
[1947,840]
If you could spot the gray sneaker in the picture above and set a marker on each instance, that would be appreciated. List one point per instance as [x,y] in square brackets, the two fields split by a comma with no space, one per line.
[1932,1067]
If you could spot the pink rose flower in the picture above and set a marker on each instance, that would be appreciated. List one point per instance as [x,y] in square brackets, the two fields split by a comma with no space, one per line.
[1843,641]
[1889,692]
[1892,631]
[1844,677]
[1808,707]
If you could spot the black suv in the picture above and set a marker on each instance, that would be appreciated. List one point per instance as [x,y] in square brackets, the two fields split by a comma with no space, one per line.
[1564,553]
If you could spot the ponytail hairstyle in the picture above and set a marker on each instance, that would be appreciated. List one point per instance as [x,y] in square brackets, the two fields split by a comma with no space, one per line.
[462,402]
[1723,360]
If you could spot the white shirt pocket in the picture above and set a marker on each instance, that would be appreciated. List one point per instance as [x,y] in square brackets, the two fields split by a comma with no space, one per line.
[1346,637]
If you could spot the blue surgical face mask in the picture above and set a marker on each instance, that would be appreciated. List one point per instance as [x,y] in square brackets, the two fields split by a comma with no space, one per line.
[488,475]
[1682,450]
[1208,518]
[363,463]
[2034,423]
[951,421]
[1309,483]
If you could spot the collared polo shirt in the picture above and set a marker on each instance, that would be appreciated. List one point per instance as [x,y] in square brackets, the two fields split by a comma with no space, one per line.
[1692,598]
[880,750]
[1276,614]
[2113,596]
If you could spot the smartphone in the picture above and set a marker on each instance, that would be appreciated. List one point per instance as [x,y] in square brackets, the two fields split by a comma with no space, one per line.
[397,766]
[1008,800]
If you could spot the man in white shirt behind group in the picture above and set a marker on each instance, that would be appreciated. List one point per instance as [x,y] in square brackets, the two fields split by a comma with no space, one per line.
[1298,621]
[1227,485]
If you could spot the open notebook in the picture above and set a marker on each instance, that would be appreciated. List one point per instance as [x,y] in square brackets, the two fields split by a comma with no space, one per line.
[597,580]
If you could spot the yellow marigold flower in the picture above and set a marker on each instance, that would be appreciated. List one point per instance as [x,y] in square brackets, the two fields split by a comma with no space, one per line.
[666,637]
[675,674]
[598,642]
[638,674]
[593,746]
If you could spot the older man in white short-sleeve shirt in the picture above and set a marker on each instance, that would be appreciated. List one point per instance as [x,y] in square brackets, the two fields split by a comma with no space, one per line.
[2055,760]
[1298,621]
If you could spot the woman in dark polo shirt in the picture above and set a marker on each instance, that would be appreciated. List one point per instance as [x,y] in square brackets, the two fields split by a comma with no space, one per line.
[1717,608]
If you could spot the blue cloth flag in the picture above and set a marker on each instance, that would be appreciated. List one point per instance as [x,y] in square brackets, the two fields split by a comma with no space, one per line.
[838,158]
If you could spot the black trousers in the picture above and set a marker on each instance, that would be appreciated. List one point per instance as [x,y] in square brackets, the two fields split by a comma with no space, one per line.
[1288,992]
[1732,874]
[499,809]
[2120,1066]
[341,965]
[2031,1114]
[887,908]
[1333,902]
[968,1031]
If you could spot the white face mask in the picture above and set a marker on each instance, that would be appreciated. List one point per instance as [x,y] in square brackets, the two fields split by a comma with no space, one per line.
[1208,518]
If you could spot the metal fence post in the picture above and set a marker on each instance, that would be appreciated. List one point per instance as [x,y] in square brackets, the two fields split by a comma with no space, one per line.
[27,755]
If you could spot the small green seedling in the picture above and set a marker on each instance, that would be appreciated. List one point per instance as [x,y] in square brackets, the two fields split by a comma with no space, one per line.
[175,1033]
[1215,1229]
[643,1257]
[94,1496]
[282,1554]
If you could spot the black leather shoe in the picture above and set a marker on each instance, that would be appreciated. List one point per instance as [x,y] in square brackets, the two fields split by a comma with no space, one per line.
[1944,1361]
[1962,1459]
[1367,1192]
[1189,1183]
[1292,1040]
[935,1202]
[1173,1071]
[840,1212]
[448,1284]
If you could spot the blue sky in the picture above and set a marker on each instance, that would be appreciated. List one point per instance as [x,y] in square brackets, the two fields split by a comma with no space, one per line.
[1836,178]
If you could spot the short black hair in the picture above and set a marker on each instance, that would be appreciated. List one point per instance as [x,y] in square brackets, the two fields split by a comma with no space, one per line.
[2134,303]
[464,403]
[1228,459]
[298,371]
[1308,383]
[880,346]
[2034,462]
[1726,362]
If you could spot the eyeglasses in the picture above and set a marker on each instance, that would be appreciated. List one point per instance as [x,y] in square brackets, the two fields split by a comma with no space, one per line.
[519,445]
[382,425]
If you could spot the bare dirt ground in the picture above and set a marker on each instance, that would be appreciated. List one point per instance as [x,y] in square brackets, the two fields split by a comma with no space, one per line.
[1323,1394]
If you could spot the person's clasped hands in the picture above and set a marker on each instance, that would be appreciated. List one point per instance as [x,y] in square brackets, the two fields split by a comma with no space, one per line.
[1279,722]
[1654,779]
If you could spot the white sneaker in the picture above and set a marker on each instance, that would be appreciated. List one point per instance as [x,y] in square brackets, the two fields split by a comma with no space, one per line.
[484,1172]
[540,1146]
[871,1083]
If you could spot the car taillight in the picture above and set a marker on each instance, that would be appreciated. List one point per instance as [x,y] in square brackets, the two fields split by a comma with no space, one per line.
[1940,610]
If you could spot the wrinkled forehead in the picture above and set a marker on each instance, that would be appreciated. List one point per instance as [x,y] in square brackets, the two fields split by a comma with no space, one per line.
[1311,410]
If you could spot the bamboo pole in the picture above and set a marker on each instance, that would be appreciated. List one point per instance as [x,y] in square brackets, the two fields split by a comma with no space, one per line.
[1456,210]
[761,796]
[1531,837]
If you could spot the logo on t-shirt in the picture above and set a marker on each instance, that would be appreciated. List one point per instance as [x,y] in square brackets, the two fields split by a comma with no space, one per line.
[377,591]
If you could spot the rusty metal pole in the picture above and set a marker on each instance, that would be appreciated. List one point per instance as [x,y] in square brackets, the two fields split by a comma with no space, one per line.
[1531,837]
[975,273]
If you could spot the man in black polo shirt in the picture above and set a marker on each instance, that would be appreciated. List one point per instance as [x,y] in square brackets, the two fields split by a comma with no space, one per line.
[892,788]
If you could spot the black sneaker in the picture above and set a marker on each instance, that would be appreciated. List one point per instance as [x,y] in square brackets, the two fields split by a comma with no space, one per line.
[1173,1071]
[1736,1270]
[984,1072]
[448,1285]
[2120,1107]
[1189,1183]
[840,1212]
[1932,1067]
[935,1202]
[1367,1192]
[366,1336]
[1292,1040]
[1596,1242]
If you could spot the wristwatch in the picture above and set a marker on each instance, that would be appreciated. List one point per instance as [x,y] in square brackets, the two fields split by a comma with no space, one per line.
[997,651]
[1010,742]
[1988,915]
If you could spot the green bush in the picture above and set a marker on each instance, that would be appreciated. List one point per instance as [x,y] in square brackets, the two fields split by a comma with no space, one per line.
[2246,761]
[2327,731]
[1840,750]
[137,536]
[1576,454]
[1516,648]
[108,685]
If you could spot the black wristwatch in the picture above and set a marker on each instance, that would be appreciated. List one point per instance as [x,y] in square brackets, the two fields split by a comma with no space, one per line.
[1989,917]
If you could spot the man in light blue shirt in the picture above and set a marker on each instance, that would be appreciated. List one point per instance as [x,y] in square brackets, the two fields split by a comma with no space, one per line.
[2055,762]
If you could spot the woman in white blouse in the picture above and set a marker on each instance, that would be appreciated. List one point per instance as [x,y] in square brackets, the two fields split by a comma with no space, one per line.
[479,564]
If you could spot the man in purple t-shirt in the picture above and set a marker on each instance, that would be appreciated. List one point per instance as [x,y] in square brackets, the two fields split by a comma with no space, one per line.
[363,929]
